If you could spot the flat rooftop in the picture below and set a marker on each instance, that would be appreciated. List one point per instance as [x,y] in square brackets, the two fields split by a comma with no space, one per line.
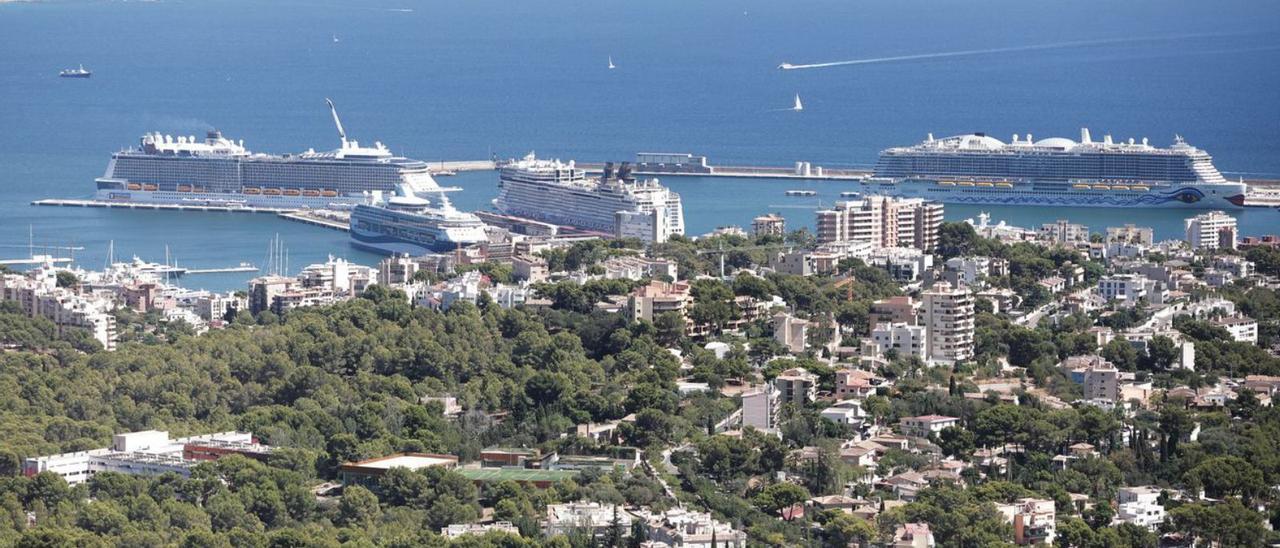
[516,474]
[412,461]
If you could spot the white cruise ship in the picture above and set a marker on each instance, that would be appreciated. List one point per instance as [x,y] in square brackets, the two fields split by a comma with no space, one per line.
[1055,172]
[409,223]
[560,193]
[221,172]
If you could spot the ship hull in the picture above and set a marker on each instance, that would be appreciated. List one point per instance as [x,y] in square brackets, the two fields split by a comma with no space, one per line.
[1189,196]
[391,245]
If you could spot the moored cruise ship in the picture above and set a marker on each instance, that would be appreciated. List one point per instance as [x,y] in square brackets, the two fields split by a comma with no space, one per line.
[408,223]
[616,203]
[980,169]
[220,172]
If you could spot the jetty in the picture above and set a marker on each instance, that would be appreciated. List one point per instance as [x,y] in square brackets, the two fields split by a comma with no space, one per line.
[336,220]
[155,206]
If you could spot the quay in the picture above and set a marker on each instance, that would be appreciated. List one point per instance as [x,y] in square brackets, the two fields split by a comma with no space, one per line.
[336,220]
[155,206]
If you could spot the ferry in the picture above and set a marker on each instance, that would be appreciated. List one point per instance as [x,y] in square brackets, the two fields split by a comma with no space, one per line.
[801,193]
[979,169]
[79,72]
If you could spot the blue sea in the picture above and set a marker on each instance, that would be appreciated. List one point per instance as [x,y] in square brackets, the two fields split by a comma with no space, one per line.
[470,79]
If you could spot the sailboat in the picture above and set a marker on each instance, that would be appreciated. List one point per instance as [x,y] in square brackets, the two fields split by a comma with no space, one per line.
[335,39]
[611,65]
[798,106]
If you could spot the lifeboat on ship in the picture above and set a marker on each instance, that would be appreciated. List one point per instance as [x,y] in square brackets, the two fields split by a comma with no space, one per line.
[252,190]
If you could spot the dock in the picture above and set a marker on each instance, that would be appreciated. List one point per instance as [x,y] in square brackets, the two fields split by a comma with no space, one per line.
[242,268]
[155,206]
[336,220]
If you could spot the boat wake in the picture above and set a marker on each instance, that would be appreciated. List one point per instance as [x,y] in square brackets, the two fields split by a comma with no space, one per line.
[989,51]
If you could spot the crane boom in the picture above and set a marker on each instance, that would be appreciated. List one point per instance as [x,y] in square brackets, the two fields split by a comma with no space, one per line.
[341,134]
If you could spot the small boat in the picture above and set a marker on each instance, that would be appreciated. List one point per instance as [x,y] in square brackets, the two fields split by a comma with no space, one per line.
[1119,187]
[184,188]
[798,106]
[135,186]
[292,192]
[946,183]
[850,194]
[985,184]
[1005,185]
[1101,187]
[79,72]
[311,193]
[150,187]
[965,183]
[802,193]
[271,192]
[1140,187]
[1080,187]
[252,190]
[335,39]
[328,193]
[611,65]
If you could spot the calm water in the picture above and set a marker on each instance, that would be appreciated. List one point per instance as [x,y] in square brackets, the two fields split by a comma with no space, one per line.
[464,79]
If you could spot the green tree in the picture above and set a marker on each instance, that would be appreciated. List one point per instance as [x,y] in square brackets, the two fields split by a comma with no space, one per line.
[780,496]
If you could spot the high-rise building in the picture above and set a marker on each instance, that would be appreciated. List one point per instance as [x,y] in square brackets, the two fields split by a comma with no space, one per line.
[1212,230]
[948,320]
[883,221]
[760,408]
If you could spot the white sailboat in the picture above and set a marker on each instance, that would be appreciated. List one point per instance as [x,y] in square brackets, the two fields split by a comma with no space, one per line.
[798,106]
[611,65]
[335,39]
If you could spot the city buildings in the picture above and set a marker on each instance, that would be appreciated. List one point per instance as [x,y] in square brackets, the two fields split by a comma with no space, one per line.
[1130,234]
[796,386]
[596,518]
[771,224]
[913,535]
[791,332]
[458,530]
[908,340]
[899,309]
[948,320]
[146,453]
[1212,230]
[681,528]
[1063,232]
[904,264]
[1139,506]
[924,425]
[1241,328]
[657,298]
[760,408]
[38,295]
[1128,289]
[882,221]
[1032,519]
[1102,383]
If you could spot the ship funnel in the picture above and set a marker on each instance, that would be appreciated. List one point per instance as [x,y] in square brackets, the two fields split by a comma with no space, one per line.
[624,172]
[1084,136]
[336,121]
[1107,139]
[930,138]
[608,171]
[1144,141]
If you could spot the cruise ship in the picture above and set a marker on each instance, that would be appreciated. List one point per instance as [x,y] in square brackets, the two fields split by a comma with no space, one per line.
[616,203]
[408,223]
[980,169]
[220,172]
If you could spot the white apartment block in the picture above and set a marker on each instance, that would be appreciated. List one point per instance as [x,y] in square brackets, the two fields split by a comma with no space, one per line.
[1130,234]
[39,296]
[908,340]
[565,519]
[904,264]
[791,332]
[1139,506]
[883,221]
[1212,230]
[948,320]
[1127,288]
[680,528]
[146,453]
[760,409]
[1064,232]
[1241,328]
[1102,382]
[924,425]
[797,386]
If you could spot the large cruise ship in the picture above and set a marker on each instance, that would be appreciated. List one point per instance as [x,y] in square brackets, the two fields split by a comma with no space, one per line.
[616,203]
[408,223]
[980,169]
[220,172]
